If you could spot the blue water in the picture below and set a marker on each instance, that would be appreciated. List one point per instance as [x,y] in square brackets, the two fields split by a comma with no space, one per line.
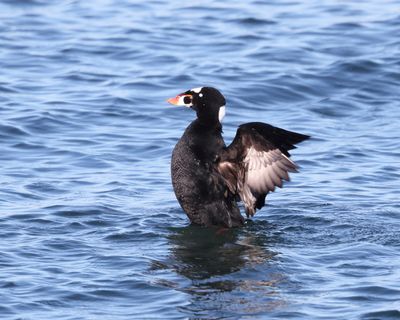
[90,227]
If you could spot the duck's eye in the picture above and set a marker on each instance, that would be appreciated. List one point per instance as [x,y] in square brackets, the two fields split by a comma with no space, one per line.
[187,100]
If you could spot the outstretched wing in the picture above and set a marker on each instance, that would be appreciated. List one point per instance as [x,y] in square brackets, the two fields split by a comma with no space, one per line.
[257,161]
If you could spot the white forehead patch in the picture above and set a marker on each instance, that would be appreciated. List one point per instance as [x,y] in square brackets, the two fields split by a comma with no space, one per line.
[221,113]
[197,90]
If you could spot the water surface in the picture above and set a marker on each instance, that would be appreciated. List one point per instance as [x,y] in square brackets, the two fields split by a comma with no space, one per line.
[90,228]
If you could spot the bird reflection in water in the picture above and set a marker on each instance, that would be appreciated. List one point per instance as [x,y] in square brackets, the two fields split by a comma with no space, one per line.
[229,272]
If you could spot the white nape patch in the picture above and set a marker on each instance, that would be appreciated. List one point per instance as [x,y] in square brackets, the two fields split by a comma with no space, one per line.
[197,90]
[221,113]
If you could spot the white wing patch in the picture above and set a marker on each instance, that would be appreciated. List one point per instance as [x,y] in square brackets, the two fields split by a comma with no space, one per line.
[267,169]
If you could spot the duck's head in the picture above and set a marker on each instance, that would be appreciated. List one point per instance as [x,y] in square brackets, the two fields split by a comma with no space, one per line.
[208,103]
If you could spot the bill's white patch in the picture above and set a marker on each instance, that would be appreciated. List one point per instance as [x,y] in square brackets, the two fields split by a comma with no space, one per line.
[181,102]
[221,113]
[197,90]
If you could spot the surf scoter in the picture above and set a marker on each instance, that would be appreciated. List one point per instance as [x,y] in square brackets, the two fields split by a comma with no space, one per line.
[209,177]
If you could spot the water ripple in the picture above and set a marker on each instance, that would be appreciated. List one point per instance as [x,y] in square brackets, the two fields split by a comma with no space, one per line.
[90,225]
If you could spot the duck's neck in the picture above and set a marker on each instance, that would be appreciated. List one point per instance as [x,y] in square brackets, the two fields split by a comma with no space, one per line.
[209,124]
[209,120]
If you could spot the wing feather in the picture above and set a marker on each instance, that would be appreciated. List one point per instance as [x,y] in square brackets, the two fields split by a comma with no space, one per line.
[257,161]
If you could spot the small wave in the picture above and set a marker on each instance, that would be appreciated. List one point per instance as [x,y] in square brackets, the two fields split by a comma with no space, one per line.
[384,315]
[250,21]
[10,131]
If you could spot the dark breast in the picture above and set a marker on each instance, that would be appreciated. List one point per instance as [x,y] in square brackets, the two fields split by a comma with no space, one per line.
[194,177]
